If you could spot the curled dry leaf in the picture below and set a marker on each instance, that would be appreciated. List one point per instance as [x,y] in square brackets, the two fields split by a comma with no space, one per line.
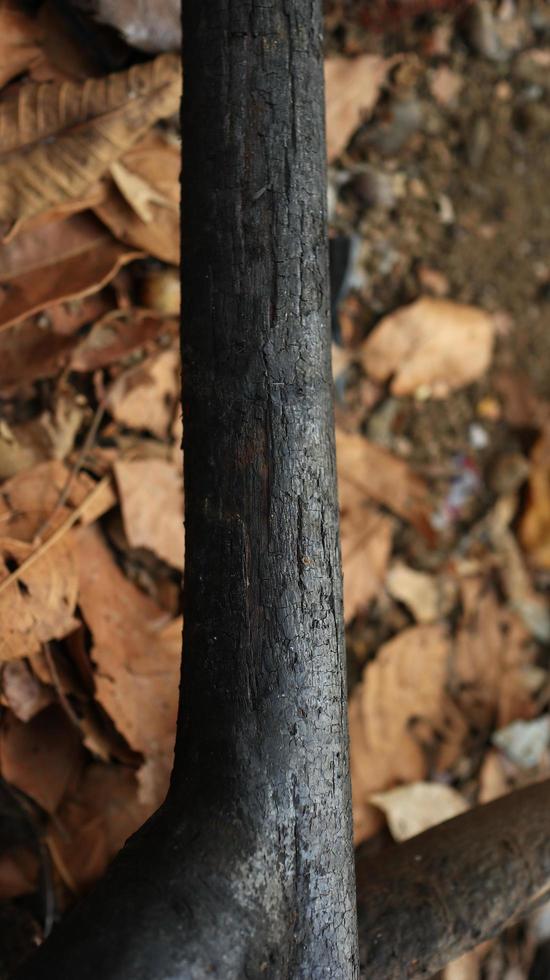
[63,260]
[142,205]
[94,123]
[93,823]
[146,396]
[113,338]
[352,89]
[411,809]
[432,345]
[41,758]
[366,471]
[151,496]
[137,659]
[405,723]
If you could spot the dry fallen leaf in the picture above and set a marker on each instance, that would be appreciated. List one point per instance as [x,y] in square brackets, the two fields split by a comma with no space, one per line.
[429,597]
[28,352]
[491,658]
[352,88]
[411,809]
[63,260]
[146,396]
[151,495]
[41,758]
[142,206]
[433,345]
[366,539]
[39,605]
[530,606]
[93,823]
[19,871]
[534,529]
[366,471]
[93,122]
[137,658]
[466,967]
[20,43]
[406,721]
[113,338]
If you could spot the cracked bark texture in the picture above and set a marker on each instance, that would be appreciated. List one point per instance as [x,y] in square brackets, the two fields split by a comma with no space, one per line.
[424,902]
[247,870]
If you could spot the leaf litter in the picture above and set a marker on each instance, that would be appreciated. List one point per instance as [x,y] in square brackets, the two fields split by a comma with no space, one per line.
[441,440]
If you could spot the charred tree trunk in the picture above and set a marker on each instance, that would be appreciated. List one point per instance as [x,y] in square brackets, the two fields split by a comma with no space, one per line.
[247,870]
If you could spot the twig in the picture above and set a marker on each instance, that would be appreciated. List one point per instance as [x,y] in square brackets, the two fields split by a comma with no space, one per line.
[55,537]
[86,446]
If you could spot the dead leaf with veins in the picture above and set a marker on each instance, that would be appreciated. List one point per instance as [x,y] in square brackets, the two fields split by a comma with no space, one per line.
[94,123]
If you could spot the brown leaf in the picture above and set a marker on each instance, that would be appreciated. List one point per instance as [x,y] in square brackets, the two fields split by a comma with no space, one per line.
[366,540]
[137,658]
[22,692]
[416,807]
[352,89]
[63,260]
[365,470]
[433,345]
[145,397]
[405,718]
[113,338]
[20,42]
[39,606]
[142,206]
[93,823]
[94,123]
[489,668]
[35,493]
[534,531]
[28,352]
[41,758]
[151,495]
[19,871]
[429,597]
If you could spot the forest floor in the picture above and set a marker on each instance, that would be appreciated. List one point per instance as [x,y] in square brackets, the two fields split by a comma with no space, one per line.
[439,216]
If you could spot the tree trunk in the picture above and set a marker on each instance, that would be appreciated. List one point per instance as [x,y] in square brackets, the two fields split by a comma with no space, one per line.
[247,870]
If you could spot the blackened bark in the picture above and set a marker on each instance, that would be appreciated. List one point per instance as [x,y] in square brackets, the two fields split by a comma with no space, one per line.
[430,899]
[247,871]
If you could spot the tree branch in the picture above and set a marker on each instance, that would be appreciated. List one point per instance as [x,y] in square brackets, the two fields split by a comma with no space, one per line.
[426,901]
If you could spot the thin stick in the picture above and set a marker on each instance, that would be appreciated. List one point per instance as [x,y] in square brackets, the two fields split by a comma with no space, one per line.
[55,537]
[86,446]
